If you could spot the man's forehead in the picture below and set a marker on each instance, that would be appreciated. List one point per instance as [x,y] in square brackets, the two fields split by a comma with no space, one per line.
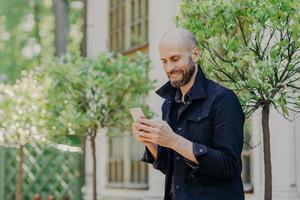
[172,40]
[169,49]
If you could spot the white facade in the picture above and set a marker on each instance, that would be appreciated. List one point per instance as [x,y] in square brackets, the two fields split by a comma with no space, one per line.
[285,156]
[285,143]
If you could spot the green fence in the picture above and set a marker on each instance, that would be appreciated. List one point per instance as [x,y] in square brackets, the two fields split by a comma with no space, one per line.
[47,171]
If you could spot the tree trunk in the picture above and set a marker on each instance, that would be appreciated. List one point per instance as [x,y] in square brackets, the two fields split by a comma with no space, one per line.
[83,157]
[93,147]
[37,19]
[84,30]
[20,173]
[267,151]
[61,13]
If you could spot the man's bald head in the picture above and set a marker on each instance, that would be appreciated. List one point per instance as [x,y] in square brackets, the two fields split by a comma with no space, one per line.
[181,36]
[179,55]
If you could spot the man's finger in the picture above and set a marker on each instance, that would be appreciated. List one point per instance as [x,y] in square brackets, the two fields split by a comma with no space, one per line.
[146,122]
[145,134]
[143,127]
[134,124]
[137,126]
[138,137]
[148,140]
[140,133]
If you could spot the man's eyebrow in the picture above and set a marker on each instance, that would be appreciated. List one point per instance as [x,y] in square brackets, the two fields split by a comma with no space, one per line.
[171,57]
[174,56]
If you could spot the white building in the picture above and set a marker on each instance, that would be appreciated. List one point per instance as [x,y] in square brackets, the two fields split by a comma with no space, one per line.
[131,25]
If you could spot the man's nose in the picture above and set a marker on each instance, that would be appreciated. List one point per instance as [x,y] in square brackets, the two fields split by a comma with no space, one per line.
[170,67]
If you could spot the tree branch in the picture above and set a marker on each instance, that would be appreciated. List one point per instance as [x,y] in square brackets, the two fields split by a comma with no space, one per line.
[292,81]
[241,28]
[293,86]
[270,38]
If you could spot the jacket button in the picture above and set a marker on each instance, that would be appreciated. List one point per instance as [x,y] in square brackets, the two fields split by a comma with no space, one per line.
[201,150]
[177,158]
[177,187]
[179,128]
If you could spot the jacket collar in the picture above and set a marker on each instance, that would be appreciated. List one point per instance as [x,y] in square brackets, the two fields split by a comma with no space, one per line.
[198,90]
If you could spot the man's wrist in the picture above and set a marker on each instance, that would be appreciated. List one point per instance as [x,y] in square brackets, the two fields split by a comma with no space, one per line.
[184,147]
[175,141]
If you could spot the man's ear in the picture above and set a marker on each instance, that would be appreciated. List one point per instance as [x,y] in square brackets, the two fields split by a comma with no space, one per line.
[196,54]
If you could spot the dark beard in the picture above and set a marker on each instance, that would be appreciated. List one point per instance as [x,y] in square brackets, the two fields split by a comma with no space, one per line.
[186,77]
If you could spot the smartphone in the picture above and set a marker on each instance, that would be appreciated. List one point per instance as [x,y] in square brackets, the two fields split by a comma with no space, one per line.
[136,113]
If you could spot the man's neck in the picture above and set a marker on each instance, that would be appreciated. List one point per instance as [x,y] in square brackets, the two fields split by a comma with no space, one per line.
[185,88]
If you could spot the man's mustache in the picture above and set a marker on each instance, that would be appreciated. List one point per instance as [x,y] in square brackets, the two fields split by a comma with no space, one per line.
[175,71]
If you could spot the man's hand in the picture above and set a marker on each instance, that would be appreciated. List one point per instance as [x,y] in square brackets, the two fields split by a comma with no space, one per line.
[156,132]
[138,134]
[160,133]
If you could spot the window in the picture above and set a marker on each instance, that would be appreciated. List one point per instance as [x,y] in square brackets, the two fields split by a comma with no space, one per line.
[247,160]
[125,170]
[128,32]
[128,24]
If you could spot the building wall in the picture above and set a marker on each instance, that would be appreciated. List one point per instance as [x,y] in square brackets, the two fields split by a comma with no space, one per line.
[296,130]
[284,140]
[97,42]
[284,156]
[97,26]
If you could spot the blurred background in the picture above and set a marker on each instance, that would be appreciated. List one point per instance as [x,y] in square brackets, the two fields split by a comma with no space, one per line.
[64,121]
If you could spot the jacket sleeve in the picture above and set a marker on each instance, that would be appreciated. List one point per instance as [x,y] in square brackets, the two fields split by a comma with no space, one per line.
[162,159]
[223,160]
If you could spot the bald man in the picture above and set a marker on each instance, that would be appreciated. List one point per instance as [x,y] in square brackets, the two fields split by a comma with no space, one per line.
[199,142]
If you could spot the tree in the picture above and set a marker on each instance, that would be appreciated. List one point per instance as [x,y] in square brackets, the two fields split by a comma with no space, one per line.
[27,39]
[27,33]
[61,11]
[93,94]
[253,48]
[23,116]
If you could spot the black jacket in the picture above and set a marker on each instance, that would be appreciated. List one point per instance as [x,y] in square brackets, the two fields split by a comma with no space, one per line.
[214,122]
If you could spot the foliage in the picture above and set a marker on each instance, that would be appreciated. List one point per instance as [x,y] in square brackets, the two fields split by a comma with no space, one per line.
[250,46]
[89,94]
[66,117]
[23,113]
[27,34]
[114,84]
[95,92]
